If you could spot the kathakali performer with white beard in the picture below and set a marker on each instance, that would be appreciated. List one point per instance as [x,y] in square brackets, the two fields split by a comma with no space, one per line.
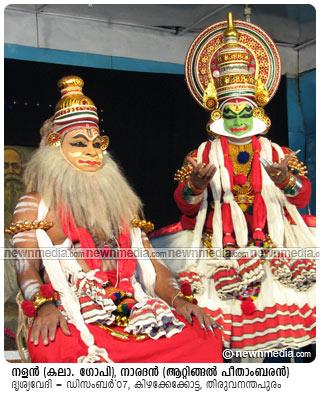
[240,191]
[110,306]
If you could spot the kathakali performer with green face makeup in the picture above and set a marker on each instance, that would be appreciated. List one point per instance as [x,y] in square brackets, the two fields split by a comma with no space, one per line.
[239,190]
[237,118]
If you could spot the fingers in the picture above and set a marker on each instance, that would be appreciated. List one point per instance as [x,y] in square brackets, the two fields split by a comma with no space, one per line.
[200,169]
[274,171]
[44,333]
[200,317]
[185,312]
[35,332]
[64,326]
[210,323]
[47,328]
[284,162]
[207,323]
[52,327]
[203,170]
[192,161]
[211,171]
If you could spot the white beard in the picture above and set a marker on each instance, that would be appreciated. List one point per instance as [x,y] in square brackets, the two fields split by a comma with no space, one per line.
[101,201]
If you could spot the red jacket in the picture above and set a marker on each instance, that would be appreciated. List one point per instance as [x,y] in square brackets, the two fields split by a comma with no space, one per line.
[190,211]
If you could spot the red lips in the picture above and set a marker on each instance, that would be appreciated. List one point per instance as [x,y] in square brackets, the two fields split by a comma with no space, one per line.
[89,162]
[238,129]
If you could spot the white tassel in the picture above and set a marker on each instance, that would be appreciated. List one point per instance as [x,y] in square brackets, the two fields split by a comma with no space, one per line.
[60,283]
[274,209]
[215,185]
[94,354]
[269,193]
[201,217]
[145,268]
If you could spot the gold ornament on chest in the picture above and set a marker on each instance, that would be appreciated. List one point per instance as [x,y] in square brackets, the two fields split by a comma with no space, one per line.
[241,158]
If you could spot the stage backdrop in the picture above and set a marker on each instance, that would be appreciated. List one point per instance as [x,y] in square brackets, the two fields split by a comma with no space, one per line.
[151,118]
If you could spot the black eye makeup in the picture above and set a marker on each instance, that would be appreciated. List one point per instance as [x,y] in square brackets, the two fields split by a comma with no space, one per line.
[229,116]
[78,144]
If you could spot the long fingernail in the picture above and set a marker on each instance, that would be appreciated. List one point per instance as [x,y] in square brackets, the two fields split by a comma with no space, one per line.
[263,162]
[210,329]
[45,342]
[203,326]
[36,343]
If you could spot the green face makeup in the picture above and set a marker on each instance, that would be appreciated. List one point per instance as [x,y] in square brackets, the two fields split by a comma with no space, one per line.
[237,118]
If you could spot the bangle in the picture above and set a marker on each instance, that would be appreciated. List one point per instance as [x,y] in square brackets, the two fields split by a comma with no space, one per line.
[45,295]
[28,226]
[293,187]
[39,300]
[196,191]
[178,294]
[283,184]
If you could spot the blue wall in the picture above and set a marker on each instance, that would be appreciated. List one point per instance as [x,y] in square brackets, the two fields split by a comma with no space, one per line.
[27,53]
[301,96]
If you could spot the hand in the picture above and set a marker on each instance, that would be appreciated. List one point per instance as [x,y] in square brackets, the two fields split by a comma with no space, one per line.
[201,174]
[188,310]
[278,172]
[46,322]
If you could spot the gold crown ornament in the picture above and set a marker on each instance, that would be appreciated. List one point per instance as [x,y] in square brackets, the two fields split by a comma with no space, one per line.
[233,61]
[74,108]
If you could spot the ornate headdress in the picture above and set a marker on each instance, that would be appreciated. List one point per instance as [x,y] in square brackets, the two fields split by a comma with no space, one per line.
[233,61]
[73,109]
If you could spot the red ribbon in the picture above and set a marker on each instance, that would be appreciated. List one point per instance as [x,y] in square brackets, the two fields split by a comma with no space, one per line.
[126,265]
[259,206]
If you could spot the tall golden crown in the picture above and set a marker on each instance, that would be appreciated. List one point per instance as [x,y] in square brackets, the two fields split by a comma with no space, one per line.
[234,78]
[72,95]
[74,107]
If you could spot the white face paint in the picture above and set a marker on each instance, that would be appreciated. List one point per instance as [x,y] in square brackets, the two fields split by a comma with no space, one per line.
[29,288]
[81,147]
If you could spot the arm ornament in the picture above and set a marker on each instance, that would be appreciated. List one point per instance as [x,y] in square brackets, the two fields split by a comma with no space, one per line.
[28,226]
[191,194]
[185,292]
[146,226]
[45,295]
[291,186]
[183,173]
[297,167]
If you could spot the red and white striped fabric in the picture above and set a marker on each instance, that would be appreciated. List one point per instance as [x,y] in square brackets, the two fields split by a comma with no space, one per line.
[276,327]
[283,317]
[154,318]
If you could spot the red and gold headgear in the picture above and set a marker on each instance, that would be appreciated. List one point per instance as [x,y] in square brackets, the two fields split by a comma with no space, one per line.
[72,110]
[233,61]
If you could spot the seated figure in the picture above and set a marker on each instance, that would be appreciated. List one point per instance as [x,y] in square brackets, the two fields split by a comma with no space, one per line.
[92,297]
[238,194]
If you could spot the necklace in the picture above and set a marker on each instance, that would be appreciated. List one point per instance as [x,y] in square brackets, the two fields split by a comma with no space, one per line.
[241,157]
